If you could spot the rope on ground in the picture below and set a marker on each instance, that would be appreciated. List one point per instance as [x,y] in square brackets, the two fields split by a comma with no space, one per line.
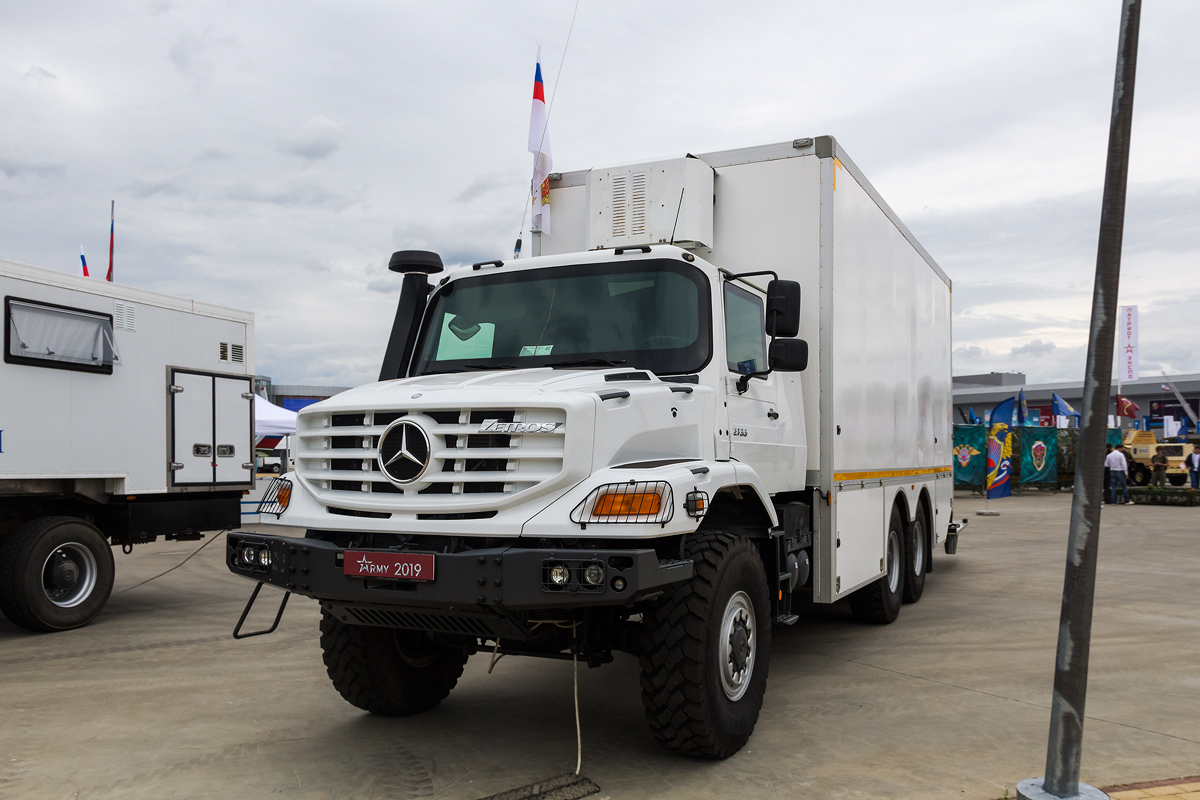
[177,566]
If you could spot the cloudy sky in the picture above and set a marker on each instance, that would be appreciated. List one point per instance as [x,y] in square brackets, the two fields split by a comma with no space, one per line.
[270,156]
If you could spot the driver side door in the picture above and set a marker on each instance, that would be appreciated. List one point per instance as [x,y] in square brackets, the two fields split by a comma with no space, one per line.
[754,431]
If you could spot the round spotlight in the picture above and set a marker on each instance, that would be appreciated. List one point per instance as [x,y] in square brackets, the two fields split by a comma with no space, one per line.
[618,584]
[559,575]
[594,574]
[248,555]
[264,557]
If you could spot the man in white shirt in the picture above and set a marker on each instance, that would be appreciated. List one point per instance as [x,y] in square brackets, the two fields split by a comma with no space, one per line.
[1118,469]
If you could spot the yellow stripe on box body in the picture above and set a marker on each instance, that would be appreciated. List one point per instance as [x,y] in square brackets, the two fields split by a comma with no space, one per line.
[888,473]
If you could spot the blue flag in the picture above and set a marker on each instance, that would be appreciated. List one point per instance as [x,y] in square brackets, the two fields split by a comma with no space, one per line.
[974,419]
[1062,408]
[999,450]
[1022,410]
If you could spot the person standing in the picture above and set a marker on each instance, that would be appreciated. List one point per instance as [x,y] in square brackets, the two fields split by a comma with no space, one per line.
[1108,496]
[1192,462]
[1119,471]
[1158,462]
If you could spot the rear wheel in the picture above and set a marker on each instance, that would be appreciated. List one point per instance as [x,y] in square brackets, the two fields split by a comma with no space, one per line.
[56,573]
[705,650]
[387,671]
[879,602]
[1177,480]
[916,557]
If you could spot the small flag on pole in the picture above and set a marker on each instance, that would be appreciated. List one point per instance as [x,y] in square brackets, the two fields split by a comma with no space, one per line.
[1022,410]
[539,145]
[112,219]
[83,260]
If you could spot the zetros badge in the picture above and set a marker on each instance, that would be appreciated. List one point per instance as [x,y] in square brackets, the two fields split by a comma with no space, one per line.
[496,426]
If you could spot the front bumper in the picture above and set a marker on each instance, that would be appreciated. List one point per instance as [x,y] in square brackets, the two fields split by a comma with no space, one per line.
[478,592]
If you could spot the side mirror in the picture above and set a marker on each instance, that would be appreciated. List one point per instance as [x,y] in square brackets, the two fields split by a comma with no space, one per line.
[783,309]
[788,355]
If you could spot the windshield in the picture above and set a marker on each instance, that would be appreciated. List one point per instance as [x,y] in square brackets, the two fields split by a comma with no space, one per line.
[649,314]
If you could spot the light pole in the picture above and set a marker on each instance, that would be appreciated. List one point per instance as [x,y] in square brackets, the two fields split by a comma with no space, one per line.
[1065,746]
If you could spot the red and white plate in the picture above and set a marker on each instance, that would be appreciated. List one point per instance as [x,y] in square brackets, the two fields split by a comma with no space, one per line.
[386,565]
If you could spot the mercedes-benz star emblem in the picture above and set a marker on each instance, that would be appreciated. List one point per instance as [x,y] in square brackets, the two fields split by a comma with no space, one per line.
[403,452]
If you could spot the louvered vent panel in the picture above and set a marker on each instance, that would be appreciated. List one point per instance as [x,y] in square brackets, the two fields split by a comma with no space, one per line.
[619,203]
[237,353]
[124,316]
[637,204]
[224,352]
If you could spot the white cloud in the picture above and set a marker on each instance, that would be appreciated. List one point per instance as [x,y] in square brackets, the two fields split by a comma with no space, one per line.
[261,154]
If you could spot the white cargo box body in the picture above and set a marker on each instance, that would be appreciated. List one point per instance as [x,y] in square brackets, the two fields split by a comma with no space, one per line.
[61,418]
[875,311]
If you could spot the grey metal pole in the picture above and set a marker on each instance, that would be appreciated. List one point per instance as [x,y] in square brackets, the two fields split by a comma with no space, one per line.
[1065,746]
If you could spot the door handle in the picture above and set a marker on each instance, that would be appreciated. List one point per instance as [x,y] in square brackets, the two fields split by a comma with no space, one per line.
[201,450]
[773,414]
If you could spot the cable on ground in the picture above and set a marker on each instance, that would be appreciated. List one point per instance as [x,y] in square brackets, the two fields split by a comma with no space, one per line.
[177,566]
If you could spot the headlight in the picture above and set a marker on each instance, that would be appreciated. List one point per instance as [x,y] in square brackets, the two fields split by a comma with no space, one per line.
[594,574]
[644,501]
[248,555]
[264,557]
[559,575]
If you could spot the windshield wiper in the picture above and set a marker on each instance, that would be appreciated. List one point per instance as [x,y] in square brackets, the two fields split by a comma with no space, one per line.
[588,362]
[469,368]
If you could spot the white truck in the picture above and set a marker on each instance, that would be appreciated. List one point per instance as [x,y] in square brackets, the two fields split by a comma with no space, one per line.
[724,384]
[125,415]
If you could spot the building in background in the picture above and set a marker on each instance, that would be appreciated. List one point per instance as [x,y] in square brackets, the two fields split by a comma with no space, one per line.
[1155,402]
[293,398]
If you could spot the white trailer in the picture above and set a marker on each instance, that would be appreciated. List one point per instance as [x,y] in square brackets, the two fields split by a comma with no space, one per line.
[125,415]
[623,443]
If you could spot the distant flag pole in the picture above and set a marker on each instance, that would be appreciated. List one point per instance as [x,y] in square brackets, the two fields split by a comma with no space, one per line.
[539,145]
[112,220]
[83,260]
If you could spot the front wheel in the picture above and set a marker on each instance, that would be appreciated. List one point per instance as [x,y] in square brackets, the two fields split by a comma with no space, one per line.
[1139,475]
[387,671]
[879,602]
[56,573]
[705,651]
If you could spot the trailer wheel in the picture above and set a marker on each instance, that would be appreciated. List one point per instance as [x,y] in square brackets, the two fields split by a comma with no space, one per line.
[879,602]
[706,646]
[1177,480]
[387,671]
[916,557]
[56,573]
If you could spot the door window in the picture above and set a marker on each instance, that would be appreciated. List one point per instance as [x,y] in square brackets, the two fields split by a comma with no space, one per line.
[745,331]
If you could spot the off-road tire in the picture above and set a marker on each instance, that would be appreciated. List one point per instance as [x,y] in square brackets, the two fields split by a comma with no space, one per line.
[686,705]
[370,670]
[878,603]
[1139,475]
[23,556]
[916,548]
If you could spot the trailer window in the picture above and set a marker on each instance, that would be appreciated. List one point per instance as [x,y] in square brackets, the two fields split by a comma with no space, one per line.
[649,314]
[745,331]
[47,335]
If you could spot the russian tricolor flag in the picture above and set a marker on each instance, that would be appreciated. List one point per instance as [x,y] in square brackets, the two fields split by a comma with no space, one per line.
[539,145]
[83,260]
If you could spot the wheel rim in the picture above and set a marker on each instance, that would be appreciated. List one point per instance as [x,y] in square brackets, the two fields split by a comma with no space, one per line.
[69,575]
[738,645]
[918,549]
[893,556]
[415,649]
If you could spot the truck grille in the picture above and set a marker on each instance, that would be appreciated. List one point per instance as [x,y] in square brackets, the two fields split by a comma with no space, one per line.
[338,456]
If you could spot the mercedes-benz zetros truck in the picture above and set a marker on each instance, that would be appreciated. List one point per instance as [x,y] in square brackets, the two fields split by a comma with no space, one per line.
[724,384]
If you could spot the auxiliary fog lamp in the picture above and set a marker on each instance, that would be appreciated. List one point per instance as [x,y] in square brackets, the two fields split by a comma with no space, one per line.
[253,556]
[632,502]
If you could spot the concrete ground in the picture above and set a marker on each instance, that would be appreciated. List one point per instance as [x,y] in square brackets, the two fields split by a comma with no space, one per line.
[156,700]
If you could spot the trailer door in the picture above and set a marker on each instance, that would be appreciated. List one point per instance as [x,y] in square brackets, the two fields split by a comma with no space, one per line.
[212,429]
[232,426]
[192,429]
